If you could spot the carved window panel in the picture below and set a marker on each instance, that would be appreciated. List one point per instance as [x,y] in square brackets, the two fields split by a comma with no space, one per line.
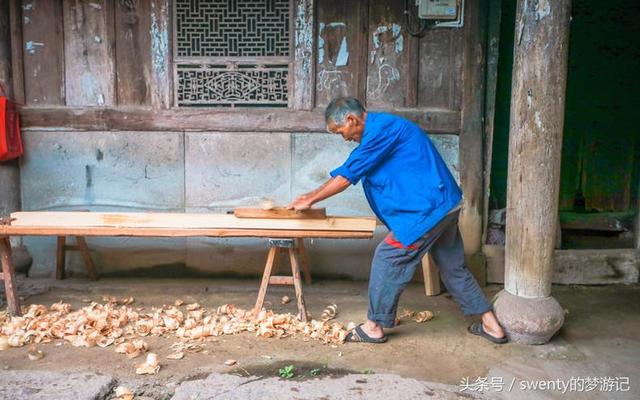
[230,53]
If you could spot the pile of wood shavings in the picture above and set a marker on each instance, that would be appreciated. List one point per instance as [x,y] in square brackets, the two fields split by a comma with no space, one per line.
[119,325]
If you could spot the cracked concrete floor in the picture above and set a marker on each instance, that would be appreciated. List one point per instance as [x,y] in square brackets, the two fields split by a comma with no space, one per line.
[599,339]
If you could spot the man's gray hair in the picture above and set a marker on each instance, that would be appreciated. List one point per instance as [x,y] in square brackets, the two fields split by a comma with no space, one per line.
[340,107]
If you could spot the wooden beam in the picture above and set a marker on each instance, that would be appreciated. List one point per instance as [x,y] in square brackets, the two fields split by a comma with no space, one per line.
[192,119]
[471,150]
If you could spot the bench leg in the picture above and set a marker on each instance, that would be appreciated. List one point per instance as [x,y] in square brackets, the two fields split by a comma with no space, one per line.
[304,260]
[9,277]
[61,257]
[297,284]
[431,276]
[271,257]
[86,255]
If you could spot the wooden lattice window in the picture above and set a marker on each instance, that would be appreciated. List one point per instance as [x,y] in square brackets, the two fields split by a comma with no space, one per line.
[232,52]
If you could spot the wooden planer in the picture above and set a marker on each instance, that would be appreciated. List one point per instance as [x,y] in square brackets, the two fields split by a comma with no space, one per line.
[279,213]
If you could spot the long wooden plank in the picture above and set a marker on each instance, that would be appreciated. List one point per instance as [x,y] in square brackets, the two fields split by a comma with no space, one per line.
[184,220]
[173,232]
[280,213]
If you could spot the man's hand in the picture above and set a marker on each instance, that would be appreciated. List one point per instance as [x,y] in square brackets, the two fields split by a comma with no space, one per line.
[300,203]
[327,189]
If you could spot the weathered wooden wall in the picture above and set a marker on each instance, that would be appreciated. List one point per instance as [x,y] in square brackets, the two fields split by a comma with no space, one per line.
[116,54]
[102,132]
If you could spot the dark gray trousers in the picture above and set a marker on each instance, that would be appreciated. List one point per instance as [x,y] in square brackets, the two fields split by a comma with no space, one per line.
[394,265]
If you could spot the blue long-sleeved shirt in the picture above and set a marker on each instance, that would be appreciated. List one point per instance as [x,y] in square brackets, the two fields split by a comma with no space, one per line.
[406,182]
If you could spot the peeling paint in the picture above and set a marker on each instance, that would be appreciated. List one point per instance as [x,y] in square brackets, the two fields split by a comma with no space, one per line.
[95,6]
[31,46]
[529,98]
[395,30]
[343,54]
[159,44]
[27,20]
[303,36]
[27,6]
[97,39]
[320,43]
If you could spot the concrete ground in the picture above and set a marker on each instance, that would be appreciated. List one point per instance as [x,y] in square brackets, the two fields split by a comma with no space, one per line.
[597,350]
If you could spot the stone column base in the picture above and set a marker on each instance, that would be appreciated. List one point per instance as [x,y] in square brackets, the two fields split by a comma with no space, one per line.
[528,320]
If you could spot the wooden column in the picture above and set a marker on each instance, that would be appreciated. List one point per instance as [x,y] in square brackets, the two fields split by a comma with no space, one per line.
[528,312]
[471,179]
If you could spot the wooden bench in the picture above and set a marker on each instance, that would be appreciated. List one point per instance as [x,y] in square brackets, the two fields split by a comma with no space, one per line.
[286,235]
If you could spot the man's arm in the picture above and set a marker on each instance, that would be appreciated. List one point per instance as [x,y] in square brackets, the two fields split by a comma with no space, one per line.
[331,187]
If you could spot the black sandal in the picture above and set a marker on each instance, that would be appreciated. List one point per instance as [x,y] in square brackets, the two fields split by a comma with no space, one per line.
[477,329]
[357,335]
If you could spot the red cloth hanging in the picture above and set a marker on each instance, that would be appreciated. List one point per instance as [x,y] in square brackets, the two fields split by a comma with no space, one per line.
[10,140]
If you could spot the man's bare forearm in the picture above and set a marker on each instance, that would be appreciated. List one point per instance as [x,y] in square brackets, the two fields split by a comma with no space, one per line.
[329,188]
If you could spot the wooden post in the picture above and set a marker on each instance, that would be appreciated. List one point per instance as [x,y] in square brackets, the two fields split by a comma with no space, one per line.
[273,251]
[526,308]
[9,277]
[297,284]
[475,27]
[431,276]
[61,257]
[86,256]
[304,260]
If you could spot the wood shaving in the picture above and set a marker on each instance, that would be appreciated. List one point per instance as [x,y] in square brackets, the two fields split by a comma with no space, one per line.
[178,302]
[4,343]
[121,326]
[285,300]
[329,312]
[230,362]
[126,301]
[176,356]
[423,316]
[123,393]
[406,313]
[150,366]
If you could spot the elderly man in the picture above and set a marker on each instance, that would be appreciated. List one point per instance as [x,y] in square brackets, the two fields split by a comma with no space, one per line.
[411,190]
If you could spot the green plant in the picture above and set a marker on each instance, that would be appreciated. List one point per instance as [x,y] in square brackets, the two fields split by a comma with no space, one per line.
[315,371]
[286,372]
[367,371]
